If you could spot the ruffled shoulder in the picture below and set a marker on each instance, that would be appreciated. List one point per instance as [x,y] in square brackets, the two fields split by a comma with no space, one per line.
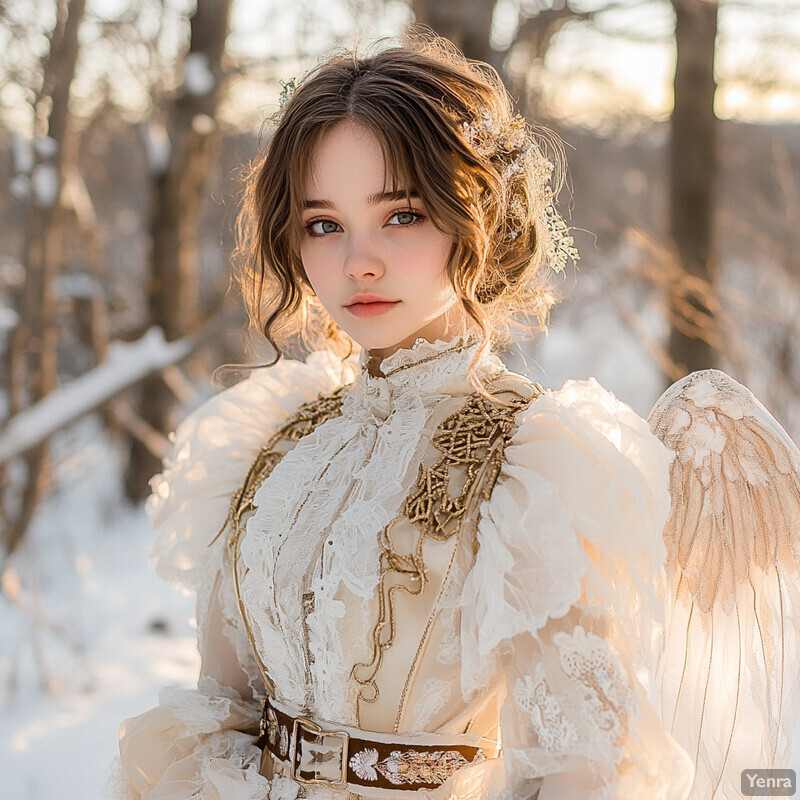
[576,515]
[213,449]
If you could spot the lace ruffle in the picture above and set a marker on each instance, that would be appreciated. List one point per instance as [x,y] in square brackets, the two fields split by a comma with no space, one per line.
[579,508]
[573,526]
[212,451]
[192,745]
[570,543]
[418,353]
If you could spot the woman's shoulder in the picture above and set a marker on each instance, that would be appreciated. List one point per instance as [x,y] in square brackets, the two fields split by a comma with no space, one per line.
[582,413]
[273,392]
[595,459]
[582,493]
[213,449]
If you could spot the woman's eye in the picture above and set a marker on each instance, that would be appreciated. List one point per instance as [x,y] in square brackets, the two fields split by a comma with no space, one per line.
[322,227]
[405,218]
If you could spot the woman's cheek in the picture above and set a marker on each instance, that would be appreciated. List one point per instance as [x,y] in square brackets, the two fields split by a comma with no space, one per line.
[311,266]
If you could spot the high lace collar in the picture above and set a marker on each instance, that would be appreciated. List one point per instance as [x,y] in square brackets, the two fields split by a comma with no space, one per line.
[426,369]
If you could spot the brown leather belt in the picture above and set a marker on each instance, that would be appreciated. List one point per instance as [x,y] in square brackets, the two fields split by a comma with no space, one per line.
[357,759]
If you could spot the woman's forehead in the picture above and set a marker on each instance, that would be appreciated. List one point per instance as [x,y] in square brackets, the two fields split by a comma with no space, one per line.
[350,153]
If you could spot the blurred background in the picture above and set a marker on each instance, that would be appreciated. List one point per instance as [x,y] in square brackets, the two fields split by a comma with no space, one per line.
[123,126]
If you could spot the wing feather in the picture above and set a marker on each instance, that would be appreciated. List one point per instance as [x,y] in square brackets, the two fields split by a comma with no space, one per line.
[727,674]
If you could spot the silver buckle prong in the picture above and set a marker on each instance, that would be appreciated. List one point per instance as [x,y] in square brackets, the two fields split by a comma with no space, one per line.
[262,722]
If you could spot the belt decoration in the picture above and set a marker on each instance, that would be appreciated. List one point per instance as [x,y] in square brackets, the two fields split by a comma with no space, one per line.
[356,759]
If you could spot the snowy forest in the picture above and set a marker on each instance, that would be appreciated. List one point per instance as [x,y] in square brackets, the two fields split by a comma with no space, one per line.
[125,126]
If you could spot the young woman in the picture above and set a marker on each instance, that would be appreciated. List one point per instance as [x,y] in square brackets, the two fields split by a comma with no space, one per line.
[418,574]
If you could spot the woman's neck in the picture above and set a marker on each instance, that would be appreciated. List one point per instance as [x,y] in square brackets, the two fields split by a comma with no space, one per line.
[438,329]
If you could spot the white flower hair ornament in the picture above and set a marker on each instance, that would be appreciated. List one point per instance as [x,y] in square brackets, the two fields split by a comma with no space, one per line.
[287,90]
[513,143]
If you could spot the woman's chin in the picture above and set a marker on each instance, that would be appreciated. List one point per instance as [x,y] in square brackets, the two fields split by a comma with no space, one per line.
[383,342]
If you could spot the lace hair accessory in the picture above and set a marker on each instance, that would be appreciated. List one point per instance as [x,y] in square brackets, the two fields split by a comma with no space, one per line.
[513,142]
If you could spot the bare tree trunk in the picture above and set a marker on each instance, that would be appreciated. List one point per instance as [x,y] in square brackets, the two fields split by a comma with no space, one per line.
[466,23]
[693,339]
[535,34]
[34,368]
[177,199]
[91,309]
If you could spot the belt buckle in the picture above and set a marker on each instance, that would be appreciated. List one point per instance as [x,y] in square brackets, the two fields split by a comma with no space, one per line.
[312,727]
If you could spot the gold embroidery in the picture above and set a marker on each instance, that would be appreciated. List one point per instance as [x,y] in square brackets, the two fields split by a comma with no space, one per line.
[474,437]
[390,562]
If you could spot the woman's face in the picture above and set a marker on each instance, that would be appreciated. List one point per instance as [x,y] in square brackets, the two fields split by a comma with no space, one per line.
[376,262]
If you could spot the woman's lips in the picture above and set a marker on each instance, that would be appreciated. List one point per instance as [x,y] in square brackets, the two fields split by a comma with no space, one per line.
[371,309]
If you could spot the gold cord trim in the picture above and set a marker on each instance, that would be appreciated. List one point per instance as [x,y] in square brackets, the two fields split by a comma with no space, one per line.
[455,349]
[474,437]
[422,642]
[300,424]
[303,422]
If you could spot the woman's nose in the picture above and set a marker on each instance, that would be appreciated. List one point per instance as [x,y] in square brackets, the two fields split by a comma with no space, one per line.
[362,259]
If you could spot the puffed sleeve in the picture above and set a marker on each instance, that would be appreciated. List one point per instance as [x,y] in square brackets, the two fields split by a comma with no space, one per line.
[200,743]
[560,602]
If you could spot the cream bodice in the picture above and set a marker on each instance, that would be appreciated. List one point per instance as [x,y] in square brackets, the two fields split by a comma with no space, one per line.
[524,625]
[313,576]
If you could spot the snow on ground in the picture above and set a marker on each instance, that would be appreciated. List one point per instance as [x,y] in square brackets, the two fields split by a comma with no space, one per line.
[94,636]
[94,633]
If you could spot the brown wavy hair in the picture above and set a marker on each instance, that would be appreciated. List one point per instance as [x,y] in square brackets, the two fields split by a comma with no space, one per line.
[419,99]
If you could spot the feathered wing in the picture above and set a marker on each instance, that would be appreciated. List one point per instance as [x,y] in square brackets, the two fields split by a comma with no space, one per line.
[726,669]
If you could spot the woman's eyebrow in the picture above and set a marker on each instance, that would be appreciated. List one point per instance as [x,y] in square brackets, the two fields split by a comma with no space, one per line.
[388,197]
[373,200]
[318,204]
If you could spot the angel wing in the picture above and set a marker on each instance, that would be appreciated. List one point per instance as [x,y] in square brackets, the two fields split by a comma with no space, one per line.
[726,668]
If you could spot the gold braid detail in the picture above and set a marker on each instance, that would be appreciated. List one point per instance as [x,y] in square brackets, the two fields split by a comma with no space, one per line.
[303,422]
[474,437]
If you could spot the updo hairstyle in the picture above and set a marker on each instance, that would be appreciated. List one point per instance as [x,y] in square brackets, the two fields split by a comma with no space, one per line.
[448,130]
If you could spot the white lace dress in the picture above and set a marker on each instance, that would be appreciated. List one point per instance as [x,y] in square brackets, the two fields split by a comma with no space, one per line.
[530,630]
